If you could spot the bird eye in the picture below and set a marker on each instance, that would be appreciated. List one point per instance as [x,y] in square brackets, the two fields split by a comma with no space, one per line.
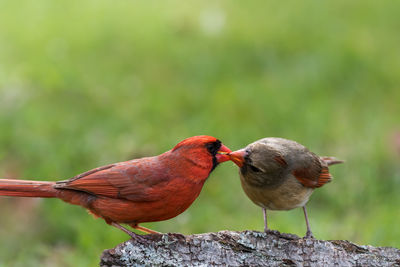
[213,147]
[254,169]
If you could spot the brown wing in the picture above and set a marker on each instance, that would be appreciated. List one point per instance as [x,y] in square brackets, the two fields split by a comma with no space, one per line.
[136,180]
[278,158]
[314,174]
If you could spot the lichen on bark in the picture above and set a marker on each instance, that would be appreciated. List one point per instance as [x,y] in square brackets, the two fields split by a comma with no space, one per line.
[248,248]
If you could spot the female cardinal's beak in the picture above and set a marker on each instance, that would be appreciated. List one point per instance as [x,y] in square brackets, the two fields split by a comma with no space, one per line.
[223,154]
[238,157]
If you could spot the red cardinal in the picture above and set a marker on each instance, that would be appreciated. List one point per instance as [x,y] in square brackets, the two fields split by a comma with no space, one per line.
[136,191]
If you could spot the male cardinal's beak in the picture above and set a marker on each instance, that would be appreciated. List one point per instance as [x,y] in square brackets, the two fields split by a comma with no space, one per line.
[223,154]
[238,157]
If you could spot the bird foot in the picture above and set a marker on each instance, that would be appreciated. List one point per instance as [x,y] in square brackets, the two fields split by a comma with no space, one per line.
[137,237]
[269,231]
[309,235]
[133,235]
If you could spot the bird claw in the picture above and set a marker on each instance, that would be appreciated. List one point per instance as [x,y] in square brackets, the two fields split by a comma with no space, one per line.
[137,237]
[309,235]
[269,231]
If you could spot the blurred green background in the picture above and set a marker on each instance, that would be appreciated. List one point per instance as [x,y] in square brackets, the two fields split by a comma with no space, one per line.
[87,83]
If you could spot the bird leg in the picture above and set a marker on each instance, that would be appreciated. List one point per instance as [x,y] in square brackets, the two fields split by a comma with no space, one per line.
[143,229]
[265,220]
[131,234]
[309,234]
[266,229]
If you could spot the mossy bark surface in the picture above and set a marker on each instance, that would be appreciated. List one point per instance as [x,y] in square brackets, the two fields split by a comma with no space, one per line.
[248,248]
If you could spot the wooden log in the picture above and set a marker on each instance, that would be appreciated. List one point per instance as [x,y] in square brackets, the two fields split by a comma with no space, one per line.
[248,248]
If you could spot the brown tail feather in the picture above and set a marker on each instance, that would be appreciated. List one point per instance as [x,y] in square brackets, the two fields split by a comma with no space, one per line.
[24,188]
[331,160]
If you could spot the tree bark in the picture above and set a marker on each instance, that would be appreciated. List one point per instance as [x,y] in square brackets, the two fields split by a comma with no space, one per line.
[248,248]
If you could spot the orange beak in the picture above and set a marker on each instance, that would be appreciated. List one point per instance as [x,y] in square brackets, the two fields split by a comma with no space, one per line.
[238,157]
[223,154]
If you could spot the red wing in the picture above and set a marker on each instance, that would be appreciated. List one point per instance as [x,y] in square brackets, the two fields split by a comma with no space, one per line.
[315,175]
[137,180]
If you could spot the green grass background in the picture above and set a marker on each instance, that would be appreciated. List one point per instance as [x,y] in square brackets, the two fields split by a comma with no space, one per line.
[87,83]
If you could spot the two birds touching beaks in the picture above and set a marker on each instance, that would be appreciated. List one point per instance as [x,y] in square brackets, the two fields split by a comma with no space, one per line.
[275,173]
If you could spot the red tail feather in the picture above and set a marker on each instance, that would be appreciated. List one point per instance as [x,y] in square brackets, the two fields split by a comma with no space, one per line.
[23,188]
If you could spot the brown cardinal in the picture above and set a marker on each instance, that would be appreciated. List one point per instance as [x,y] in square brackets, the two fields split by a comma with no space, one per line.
[135,191]
[280,174]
